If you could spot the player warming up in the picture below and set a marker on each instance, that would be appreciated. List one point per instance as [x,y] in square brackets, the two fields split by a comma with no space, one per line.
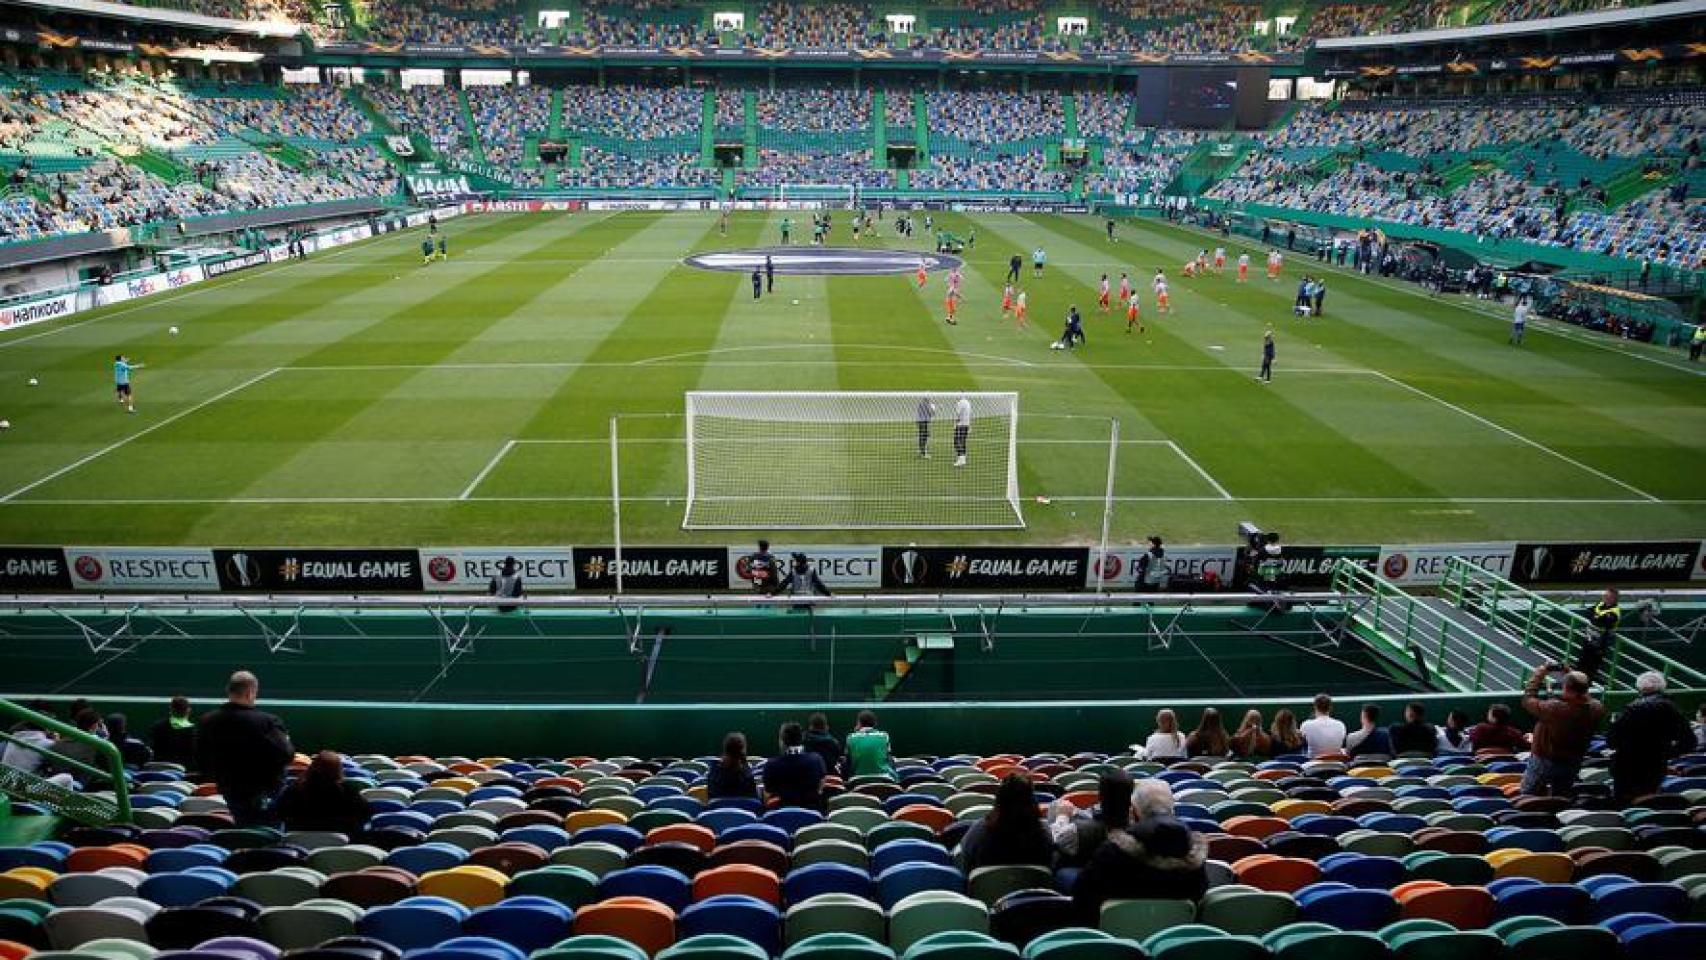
[121,381]
[952,304]
[1163,302]
[1219,259]
[962,430]
[1022,309]
[1102,294]
[1006,301]
[923,275]
[1125,286]
[1274,263]
[1133,314]
[1243,267]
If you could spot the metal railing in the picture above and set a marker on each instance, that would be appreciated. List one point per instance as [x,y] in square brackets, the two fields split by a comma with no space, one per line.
[95,808]
[1552,629]
[1454,655]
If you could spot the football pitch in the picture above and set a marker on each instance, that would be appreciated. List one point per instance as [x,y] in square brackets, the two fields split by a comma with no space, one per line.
[363,398]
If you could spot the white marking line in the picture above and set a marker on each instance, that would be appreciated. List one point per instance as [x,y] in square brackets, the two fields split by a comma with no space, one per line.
[145,431]
[1519,437]
[487,469]
[994,361]
[844,346]
[1085,498]
[1192,463]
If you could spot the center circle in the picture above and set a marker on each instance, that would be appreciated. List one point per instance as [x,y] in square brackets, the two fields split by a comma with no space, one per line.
[824,261]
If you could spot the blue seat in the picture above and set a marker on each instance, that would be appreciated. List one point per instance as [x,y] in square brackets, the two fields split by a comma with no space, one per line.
[769,833]
[183,889]
[546,838]
[45,855]
[1625,922]
[900,800]
[1564,902]
[526,923]
[426,857]
[1368,872]
[414,923]
[1346,907]
[1324,826]
[615,834]
[1665,899]
[493,791]
[1532,839]
[719,819]
[401,818]
[179,859]
[663,884]
[791,819]
[807,882]
[468,948]
[679,801]
[905,879]
[908,850]
[436,808]
[1391,822]
[751,805]
[735,915]
[1668,941]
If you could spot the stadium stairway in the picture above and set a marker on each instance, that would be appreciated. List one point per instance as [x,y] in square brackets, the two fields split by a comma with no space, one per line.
[921,122]
[879,129]
[708,129]
[50,801]
[469,127]
[749,136]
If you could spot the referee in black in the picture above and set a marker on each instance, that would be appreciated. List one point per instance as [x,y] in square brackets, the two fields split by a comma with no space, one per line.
[1013,266]
[924,414]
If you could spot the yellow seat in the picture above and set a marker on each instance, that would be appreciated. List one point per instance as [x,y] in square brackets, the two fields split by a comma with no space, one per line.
[1292,809]
[469,885]
[582,819]
[1545,867]
[25,883]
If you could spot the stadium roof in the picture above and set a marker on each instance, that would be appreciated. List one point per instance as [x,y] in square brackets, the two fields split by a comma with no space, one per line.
[1600,18]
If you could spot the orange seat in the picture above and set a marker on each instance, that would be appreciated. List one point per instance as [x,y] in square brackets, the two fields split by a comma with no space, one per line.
[1257,827]
[643,922]
[1083,799]
[13,950]
[1265,871]
[90,859]
[569,782]
[1466,908]
[936,818]
[742,878]
[689,833]
[988,764]
[1274,774]
[468,767]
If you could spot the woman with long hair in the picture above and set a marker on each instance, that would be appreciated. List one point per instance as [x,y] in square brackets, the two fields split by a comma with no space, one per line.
[1209,738]
[731,776]
[1251,740]
[1166,743]
[1285,736]
[321,799]
[1011,833]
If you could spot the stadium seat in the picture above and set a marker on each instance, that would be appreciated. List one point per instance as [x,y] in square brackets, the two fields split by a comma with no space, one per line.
[752,919]
[834,913]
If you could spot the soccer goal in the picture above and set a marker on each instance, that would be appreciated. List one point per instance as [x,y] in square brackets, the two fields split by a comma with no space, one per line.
[855,460]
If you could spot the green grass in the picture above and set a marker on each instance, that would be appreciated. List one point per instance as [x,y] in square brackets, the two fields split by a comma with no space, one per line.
[354,399]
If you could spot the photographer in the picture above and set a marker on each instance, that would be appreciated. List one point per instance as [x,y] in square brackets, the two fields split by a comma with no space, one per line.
[761,569]
[1151,572]
[802,580]
[1563,728]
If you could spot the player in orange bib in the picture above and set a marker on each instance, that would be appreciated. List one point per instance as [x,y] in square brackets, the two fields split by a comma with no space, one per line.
[1021,308]
[1007,300]
[953,305]
[1274,261]
[1133,314]
[1102,295]
[923,277]
[1190,269]
[1219,259]
[1125,286]
[1163,303]
[1243,267]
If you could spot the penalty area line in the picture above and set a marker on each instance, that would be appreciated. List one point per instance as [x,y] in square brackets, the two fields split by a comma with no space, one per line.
[605,498]
[1194,465]
[491,465]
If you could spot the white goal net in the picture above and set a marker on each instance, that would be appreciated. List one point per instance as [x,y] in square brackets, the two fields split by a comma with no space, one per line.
[817,461]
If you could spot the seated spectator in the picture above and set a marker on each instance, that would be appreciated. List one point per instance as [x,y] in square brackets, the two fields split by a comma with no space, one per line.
[1011,834]
[1323,732]
[1700,728]
[1415,734]
[81,751]
[1159,858]
[1497,733]
[1209,738]
[1251,740]
[823,743]
[24,752]
[1563,729]
[173,736]
[1078,835]
[1166,743]
[1284,734]
[1644,737]
[1372,739]
[868,750]
[1454,734]
[323,800]
[795,776]
[134,752]
[731,775]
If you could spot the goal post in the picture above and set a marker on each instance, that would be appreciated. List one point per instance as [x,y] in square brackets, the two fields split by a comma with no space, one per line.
[852,460]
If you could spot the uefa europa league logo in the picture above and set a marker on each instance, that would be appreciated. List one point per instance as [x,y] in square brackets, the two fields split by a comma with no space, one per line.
[909,567]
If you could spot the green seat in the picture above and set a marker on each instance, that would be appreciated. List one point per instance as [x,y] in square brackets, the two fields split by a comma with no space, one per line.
[1456,869]
[468,838]
[1563,943]
[648,820]
[849,801]
[990,884]
[571,886]
[831,851]
[838,946]
[304,925]
[1196,941]
[1375,844]
[933,911]
[595,946]
[112,948]
[960,945]
[345,859]
[1510,926]
[835,913]
[595,858]
[1141,919]
[246,838]
[812,833]
[713,946]
[862,819]
[1476,822]
[1318,941]
[1252,913]
[622,803]
[284,887]
[1082,943]
[893,830]
[1611,838]
[1455,945]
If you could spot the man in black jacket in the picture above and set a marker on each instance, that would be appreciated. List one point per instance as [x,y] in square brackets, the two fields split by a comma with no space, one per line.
[795,777]
[173,736]
[1646,735]
[245,751]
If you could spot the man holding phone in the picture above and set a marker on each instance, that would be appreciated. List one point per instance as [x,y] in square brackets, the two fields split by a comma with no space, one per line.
[1563,729]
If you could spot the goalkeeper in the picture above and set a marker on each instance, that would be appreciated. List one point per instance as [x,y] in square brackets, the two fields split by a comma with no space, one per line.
[924,414]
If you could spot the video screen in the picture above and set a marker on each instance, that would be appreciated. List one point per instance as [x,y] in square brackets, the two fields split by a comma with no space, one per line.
[1201,98]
